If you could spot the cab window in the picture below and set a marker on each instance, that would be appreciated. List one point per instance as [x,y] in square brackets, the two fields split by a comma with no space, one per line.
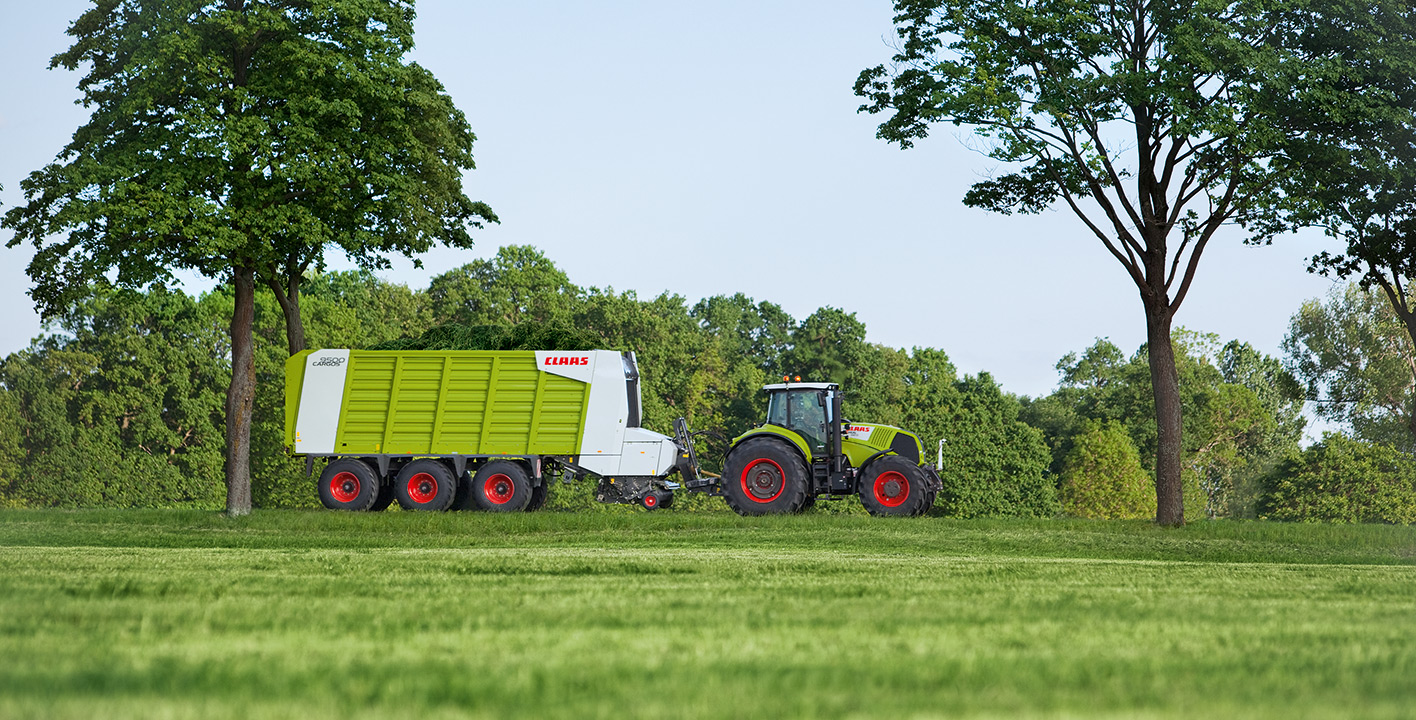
[803,411]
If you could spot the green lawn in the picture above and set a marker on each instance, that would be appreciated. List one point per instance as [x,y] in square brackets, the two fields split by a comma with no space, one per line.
[151,614]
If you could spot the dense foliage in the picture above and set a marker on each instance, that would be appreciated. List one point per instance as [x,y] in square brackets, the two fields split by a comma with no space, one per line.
[1357,364]
[1343,480]
[122,409]
[120,403]
[1242,414]
[1102,475]
[706,363]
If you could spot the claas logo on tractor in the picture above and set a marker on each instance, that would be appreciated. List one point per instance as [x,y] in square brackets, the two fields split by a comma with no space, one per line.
[567,361]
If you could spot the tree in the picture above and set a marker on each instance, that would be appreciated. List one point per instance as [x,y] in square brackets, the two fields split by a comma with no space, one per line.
[1146,119]
[240,139]
[1357,364]
[825,346]
[519,285]
[1242,413]
[751,337]
[1351,170]
[1102,475]
[121,407]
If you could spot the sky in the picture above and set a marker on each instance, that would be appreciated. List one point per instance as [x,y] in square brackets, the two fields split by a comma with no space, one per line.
[706,149]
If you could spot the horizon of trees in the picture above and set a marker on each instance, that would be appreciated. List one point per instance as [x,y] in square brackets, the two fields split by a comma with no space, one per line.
[120,404]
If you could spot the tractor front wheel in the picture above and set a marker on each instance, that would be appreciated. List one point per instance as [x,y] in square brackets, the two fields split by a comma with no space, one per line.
[764,477]
[894,487]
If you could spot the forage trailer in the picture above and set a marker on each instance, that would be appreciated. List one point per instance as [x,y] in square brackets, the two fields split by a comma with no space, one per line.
[456,429]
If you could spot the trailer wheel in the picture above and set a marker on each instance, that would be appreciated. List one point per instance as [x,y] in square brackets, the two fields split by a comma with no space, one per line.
[349,484]
[538,497]
[764,477]
[893,486]
[463,499]
[501,486]
[385,497]
[425,485]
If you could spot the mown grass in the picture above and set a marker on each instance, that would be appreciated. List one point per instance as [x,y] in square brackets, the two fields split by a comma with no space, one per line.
[317,614]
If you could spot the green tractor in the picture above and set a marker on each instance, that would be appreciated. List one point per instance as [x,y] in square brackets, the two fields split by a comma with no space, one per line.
[806,450]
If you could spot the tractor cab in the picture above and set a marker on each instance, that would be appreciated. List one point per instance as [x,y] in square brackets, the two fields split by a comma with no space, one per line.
[811,410]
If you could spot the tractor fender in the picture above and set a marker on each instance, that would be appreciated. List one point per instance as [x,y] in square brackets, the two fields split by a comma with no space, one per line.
[866,463]
[780,434]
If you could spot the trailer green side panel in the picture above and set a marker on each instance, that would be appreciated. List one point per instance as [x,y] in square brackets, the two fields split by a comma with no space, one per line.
[294,382]
[458,402]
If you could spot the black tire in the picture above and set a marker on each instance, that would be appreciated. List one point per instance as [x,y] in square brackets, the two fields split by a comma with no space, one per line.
[656,500]
[385,497]
[893,487]
[501,486]
[538,497]
[808,503]
[425,485]
[349,484]
[763,476]
[463,499]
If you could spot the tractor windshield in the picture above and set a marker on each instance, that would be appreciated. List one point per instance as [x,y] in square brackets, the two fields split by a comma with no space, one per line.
[803,411]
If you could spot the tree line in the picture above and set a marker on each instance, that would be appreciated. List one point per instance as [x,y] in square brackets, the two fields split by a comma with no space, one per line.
[121,403]
[246,139]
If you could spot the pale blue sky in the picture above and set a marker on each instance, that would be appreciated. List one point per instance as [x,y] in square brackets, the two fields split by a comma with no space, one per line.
[710,150]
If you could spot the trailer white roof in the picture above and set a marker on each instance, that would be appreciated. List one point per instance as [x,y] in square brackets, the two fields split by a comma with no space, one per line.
[801,385]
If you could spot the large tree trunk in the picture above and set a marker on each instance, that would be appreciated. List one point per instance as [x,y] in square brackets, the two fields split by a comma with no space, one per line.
[240,396]
[289,300]
[1165,385]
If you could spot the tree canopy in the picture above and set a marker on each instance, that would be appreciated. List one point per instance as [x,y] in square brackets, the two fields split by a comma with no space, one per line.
[1357,364]
[1150,121]
[242,139]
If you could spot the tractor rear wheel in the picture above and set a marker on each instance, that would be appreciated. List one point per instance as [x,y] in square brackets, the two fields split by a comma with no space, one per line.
[893,487]
[425,485]
[763,476]
[501,486]
[349,484]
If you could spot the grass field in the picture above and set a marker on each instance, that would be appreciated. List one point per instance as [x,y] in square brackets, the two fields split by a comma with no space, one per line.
[157,614]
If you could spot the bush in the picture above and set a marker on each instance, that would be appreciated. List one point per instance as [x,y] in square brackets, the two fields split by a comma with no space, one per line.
[1343,480]
[1102,475]
[994,465]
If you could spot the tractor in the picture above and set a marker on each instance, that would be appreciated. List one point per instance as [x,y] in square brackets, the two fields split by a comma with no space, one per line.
[807,450]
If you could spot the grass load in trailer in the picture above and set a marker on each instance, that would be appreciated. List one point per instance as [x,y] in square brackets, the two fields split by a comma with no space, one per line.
[457,429]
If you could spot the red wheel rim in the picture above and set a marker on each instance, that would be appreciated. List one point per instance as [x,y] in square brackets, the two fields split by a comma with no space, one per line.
[499,489]
[422,488]
[344,487]
[650,501]
[891,488]
[763,480]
